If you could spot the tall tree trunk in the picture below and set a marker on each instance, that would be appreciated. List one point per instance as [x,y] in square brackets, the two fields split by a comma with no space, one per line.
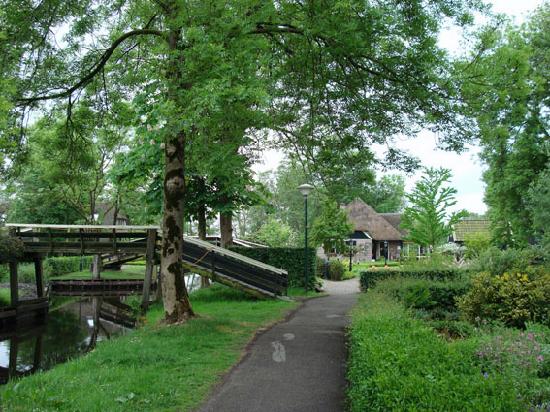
[205,282]
[226,229]
[175,299]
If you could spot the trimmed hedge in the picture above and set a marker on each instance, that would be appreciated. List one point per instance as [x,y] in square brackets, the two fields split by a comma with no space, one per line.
[370,277]
[53,266]
[425,294]
[290,259]
[399,363]
[56,266]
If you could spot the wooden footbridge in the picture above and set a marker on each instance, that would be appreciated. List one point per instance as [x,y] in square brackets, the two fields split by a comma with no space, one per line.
[119,244]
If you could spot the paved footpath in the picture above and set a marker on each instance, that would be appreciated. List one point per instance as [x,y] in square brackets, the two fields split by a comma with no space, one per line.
[298,365]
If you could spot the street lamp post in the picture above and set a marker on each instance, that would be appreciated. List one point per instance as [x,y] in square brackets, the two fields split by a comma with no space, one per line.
[305,190]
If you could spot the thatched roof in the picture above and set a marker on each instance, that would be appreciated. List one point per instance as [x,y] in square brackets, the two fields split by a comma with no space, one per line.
[365,219]
[394,219]
[470,226]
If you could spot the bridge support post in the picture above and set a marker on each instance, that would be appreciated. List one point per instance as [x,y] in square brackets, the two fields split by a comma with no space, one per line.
[14,284]
[149,267]
[39,274]
[96,267]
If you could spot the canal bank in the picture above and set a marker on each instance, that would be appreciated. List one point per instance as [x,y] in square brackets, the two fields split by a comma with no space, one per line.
[155,367]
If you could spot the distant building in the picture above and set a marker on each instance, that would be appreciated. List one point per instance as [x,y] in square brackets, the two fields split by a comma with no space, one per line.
[470,226]
[372,230]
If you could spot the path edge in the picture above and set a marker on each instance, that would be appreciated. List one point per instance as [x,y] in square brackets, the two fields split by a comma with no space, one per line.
[245,353]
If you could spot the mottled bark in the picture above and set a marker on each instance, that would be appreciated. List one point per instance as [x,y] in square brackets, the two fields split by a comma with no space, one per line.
[174,294]
[226,229]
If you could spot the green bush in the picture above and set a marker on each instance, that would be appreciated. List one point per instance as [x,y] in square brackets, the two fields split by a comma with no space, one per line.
[369,278]
[11,249]
[397,363]
[290,259]
[530,260]
[512,298]
[336,270]
[57,266]
[53,266]
[425,294]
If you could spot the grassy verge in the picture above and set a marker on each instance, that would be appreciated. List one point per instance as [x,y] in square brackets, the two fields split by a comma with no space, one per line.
[155,368]
[127,272]
[300,292]
[399,363]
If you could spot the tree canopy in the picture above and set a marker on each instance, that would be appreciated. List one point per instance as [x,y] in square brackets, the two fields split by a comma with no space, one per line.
[507,91]
[323,77]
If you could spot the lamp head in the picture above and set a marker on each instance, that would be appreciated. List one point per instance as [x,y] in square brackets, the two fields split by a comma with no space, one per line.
[305,189]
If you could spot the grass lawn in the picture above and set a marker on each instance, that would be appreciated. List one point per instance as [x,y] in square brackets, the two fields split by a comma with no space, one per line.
[127,272]
[155,368]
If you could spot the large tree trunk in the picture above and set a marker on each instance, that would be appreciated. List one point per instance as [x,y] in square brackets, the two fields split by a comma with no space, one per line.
[205,282]
[226,229]
[174,293]
[175,299]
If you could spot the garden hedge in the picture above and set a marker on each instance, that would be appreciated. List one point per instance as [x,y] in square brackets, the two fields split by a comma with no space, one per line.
[370,277]
[290,259]
[57,266]
[425,294]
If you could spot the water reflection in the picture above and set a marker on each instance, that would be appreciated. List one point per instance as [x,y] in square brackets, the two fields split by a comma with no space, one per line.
[70,330]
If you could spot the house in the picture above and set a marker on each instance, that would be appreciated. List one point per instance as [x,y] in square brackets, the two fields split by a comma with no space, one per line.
[373,230]
[468,227]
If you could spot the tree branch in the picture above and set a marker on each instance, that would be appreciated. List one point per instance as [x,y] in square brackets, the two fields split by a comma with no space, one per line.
[96,68]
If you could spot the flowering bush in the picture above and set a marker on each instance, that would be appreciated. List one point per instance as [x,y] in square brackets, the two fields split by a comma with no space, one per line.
[525,352]
[512,298]
[525,358]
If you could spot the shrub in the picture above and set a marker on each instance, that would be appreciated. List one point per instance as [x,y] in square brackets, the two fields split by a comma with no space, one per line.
[290,259]
[476,244]
[11,249]
[321,268]
[522,356]
[56,266]
[369,278]
[336,270]
[531,260]
[512,298]
[399,363]
[425,294]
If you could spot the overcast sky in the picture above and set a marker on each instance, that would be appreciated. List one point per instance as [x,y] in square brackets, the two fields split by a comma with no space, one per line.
[466,167]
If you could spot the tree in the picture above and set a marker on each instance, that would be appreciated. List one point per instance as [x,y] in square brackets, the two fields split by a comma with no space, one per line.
[539,204]
[386,195]
[508,93]
[60,182]
[331,227]
[276,234]
[427,218]
[377,66]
